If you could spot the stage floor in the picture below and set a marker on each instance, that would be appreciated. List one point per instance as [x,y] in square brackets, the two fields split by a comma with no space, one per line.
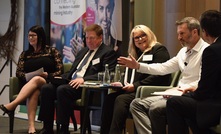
[21,126]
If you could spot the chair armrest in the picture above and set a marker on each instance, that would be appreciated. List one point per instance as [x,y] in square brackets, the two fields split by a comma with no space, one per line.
[96,93]
[217,128]
[67,67]
[81,101]
[14,88]
[145,91]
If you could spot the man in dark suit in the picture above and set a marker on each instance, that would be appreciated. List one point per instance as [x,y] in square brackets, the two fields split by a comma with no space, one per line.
[201,109]
[89,61]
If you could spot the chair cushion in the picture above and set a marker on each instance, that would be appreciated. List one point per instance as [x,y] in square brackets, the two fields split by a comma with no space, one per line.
[78,102]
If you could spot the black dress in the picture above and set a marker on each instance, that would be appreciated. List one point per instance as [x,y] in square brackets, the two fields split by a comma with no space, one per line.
[49,59]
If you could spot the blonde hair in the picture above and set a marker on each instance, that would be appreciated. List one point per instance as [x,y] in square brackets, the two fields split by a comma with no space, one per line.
[152,40]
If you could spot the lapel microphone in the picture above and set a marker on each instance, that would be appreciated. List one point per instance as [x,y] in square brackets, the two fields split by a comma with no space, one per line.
[185,63]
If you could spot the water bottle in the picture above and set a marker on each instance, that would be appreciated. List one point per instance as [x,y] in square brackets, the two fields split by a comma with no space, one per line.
[106,78]
[117,75]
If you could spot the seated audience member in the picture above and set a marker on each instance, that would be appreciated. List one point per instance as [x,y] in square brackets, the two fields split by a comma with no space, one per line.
[97,55]
[144,47]
[39,55]
[201,108]
[149,113]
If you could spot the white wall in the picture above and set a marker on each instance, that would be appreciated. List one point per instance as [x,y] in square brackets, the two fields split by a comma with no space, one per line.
[5,10]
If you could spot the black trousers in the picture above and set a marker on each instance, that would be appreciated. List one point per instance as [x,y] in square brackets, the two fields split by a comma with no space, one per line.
[181,114]
[65,96]
[115,112]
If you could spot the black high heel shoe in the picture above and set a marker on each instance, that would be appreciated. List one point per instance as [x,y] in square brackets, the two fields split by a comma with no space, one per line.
[5,110]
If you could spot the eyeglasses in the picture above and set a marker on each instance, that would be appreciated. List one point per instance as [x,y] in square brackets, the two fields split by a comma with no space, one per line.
[31,35]
[142,36]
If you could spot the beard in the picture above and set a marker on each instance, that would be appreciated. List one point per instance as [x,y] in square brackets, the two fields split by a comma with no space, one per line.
[185,43]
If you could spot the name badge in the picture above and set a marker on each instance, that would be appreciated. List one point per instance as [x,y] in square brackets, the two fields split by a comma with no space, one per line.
[148,57]
[96,61]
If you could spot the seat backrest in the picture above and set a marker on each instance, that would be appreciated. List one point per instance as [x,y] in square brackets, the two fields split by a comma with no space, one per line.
[15,85]
[145,91]
[175,78]
[67,67]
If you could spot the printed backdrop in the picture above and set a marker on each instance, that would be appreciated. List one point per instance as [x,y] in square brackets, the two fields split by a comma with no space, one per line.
[69,18]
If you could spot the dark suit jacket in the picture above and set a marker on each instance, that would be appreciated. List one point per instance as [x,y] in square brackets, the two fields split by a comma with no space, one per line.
[106,55]
[208,93]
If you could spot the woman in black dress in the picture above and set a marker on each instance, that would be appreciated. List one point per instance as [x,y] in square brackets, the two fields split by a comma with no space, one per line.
[38,55]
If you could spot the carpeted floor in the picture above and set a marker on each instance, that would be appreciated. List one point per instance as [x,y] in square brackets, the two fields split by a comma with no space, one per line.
[21,126]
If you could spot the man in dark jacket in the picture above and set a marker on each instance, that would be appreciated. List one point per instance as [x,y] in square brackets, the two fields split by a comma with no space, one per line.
[89,61]
[201,109]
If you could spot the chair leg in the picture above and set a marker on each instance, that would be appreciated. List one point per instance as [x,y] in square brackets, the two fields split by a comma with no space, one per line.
[74,121]
[58,127]
[85,122]
[81,120]
[89,125]
[11,121]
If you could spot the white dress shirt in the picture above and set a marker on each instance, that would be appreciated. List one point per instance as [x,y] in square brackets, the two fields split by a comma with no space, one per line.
[188,62]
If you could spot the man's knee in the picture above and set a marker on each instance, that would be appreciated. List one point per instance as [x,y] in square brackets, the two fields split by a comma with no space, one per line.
[61,89]
[123,99]
[134,105]
[158,109]
[47,90]
[119,99]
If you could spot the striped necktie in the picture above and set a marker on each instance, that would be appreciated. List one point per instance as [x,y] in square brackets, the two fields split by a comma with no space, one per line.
[84,61]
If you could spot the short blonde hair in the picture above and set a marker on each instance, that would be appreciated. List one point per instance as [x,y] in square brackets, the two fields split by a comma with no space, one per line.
[152,40]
